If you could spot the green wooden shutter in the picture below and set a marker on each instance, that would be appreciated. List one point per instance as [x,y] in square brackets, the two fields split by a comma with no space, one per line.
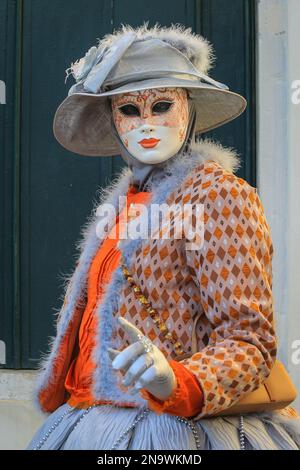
[47,192]
[10,73]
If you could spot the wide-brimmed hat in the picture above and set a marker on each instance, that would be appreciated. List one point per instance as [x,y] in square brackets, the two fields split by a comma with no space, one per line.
[132,60]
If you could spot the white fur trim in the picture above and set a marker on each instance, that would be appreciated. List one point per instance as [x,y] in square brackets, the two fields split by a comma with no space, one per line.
[195,47]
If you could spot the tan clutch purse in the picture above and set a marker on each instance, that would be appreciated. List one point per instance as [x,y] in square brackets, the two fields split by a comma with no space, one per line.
[276,392]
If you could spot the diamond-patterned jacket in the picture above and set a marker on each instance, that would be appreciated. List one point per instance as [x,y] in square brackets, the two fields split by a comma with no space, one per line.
[221,291]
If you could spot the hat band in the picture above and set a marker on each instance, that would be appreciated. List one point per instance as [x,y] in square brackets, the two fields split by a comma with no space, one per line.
[112,84]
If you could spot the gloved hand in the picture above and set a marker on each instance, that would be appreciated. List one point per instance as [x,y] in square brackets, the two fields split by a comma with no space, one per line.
[148,369]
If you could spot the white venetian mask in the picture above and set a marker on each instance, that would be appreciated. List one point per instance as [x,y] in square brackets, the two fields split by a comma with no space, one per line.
[152,123]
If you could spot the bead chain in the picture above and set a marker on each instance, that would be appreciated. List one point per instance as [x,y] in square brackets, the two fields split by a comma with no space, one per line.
[54,426]
[152,312]
[192,427]
[43,440]
[189,423]
[143,415]
[139,418]
[242,432]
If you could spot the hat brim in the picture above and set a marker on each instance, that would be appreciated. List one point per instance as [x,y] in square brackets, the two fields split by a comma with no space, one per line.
[82,122]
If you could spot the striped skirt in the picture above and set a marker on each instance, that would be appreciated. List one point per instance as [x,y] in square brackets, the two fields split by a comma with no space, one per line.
[108,427]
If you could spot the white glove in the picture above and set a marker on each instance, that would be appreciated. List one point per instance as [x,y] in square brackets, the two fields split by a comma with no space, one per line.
[150,370]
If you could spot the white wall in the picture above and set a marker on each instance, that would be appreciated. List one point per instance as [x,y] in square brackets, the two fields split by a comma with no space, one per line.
[19,419]
[279,162]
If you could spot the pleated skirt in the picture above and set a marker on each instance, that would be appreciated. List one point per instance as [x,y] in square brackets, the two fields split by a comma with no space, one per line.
[108,427]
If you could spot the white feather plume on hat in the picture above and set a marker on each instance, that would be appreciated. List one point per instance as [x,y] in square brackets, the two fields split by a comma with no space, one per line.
[194,46]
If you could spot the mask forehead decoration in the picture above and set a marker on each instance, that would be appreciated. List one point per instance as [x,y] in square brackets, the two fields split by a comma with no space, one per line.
[152,123]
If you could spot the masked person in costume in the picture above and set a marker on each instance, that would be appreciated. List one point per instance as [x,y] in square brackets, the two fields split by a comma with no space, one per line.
[163,341]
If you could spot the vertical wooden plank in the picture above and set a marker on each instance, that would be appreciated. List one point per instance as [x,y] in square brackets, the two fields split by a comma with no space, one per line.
[58,187]
[17,187]
[232,31]
[251,117]
[136,13]
[6,138]
[9,161]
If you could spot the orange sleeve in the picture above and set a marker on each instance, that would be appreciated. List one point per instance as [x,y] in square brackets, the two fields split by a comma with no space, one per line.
[186,399]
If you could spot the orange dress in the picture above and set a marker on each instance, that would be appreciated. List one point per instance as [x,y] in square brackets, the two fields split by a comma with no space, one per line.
[186,399]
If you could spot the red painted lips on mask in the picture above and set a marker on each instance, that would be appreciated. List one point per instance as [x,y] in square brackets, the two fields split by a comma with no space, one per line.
[149,143]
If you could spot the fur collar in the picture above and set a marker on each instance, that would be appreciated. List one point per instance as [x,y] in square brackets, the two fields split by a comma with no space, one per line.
[178,168]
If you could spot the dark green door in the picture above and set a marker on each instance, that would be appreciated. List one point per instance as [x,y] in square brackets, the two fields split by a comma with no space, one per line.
[47,192]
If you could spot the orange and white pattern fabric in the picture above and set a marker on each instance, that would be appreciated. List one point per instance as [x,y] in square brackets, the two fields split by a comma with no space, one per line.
[227,284]
[234,273]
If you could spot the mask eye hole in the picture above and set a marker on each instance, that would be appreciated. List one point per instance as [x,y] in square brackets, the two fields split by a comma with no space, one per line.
[129,110]
[162,107]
